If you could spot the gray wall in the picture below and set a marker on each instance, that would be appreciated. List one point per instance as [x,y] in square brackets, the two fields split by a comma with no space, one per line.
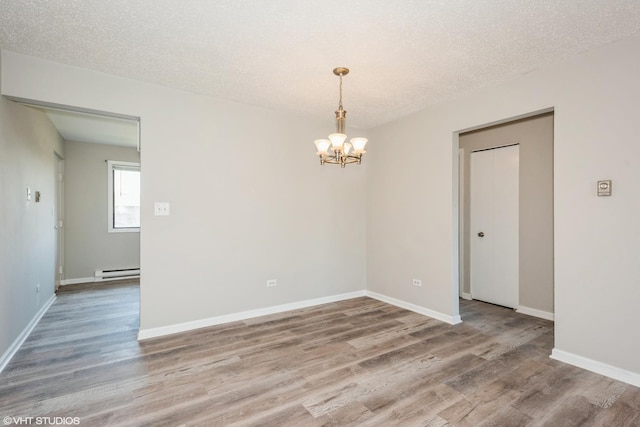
[535,136]
[88,245]
[249,199]
[412,200]
[27,237]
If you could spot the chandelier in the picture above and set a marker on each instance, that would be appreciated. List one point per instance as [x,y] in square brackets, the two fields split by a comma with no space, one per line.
[335,150]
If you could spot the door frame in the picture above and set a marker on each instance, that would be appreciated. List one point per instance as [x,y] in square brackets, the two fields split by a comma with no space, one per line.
[59,218]
[458,270]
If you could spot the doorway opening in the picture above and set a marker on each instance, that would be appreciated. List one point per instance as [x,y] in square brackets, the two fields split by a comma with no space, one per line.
[86,244]
[534,276]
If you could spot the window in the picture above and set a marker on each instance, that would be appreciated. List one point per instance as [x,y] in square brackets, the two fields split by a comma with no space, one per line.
[124,196]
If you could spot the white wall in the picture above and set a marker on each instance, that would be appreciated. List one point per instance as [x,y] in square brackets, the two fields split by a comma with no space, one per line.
[27,237]
[88,245]
[411,209]
[249,200]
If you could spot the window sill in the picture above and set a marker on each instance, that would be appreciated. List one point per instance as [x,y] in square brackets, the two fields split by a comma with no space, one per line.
[123,230]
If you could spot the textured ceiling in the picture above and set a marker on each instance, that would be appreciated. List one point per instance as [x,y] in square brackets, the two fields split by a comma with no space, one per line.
[83,127]
[404,55]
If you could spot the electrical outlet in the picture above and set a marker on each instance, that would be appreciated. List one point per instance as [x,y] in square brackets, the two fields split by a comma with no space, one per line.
[161,209]
[417,282]
[271,283]
[38,288]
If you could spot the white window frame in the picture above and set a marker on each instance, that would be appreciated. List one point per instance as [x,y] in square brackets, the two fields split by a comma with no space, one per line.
[110,166]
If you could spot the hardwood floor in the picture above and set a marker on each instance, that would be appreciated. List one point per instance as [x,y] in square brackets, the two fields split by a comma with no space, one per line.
[357,362]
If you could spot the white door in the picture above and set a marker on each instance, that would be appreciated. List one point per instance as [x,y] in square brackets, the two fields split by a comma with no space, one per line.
[494,225]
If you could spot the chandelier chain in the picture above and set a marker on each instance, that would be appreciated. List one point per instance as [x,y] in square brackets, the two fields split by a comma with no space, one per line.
[340,103]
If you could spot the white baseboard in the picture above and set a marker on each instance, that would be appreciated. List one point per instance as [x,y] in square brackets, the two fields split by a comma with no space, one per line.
[94,280]
[466,296]
[535,312]
[452,320]
[144,334]
[628,377]
[15,346]
[65,282]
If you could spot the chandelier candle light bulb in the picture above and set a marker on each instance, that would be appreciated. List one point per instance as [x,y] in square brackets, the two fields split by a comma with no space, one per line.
[335,150]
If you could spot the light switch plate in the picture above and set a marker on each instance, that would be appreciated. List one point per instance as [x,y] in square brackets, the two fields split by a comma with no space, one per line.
[604,187]
[161,209]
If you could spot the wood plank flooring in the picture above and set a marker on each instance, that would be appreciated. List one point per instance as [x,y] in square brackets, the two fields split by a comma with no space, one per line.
[359,362]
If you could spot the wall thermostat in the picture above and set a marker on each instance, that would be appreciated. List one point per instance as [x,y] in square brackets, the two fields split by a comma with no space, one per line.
[604,188]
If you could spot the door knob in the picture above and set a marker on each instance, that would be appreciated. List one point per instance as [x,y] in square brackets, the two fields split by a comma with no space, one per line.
[481,234]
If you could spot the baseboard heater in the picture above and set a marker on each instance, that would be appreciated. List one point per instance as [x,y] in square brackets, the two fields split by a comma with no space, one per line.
[116,274]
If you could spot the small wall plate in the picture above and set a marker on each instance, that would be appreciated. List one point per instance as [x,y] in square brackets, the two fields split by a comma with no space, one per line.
[604,188]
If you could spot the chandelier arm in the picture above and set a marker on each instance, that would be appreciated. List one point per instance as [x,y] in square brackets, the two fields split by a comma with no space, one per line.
[330,160]
[352,159]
